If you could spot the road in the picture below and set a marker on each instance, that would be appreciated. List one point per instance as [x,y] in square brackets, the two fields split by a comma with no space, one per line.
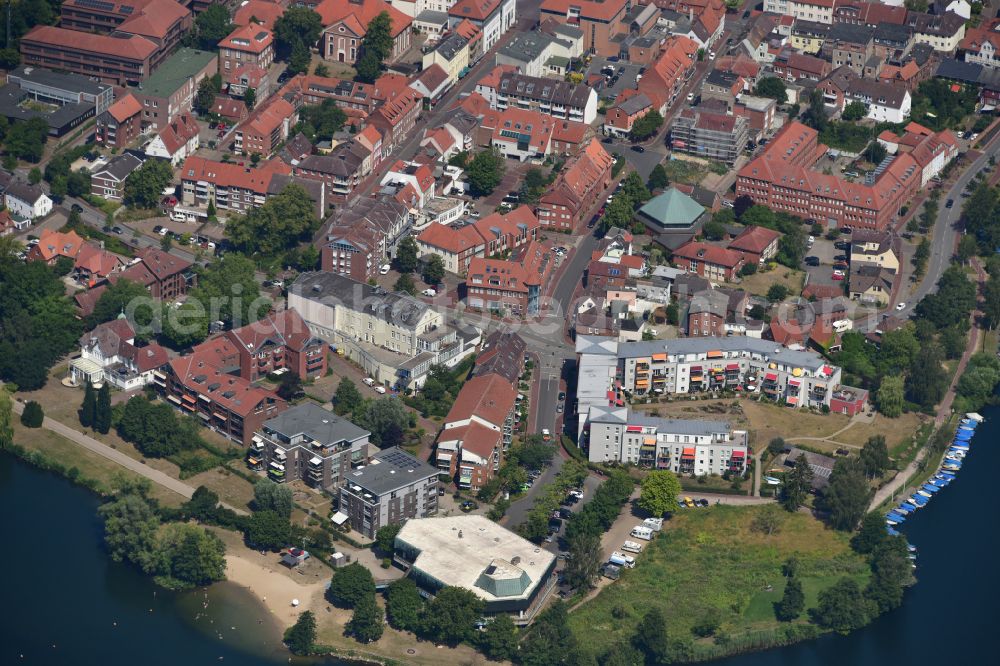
[120,458]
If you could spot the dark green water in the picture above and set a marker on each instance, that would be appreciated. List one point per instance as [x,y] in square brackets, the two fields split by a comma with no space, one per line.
[65,602]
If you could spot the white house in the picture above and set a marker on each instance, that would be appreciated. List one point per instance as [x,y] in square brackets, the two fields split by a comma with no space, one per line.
[493,17]
[26,201]
[960,7]
[177,140]
[108,353]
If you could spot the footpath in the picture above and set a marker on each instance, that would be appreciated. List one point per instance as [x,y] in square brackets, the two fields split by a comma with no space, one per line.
[120,458]
[944,409]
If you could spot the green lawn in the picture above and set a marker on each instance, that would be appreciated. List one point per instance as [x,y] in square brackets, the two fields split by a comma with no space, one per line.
[711,559]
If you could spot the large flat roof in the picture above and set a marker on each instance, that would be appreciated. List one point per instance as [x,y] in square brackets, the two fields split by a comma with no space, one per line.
[175,71]
[475,553]
[313,421]
[390,470]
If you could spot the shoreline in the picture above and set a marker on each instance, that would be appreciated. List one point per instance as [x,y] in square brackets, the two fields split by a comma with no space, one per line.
[273,590]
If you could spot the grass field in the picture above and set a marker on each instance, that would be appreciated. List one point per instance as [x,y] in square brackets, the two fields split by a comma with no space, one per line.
[760,282]
[896,431]
[91,465]
[770,421]
[710,559]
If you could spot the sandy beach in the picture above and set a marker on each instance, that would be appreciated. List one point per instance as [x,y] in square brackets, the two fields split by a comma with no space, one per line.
[274,587]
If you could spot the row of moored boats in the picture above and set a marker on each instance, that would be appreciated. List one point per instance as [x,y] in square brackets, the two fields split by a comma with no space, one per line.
[950,467]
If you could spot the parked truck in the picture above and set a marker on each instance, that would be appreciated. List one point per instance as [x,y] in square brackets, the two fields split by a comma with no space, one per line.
[622,560]
[642,532]
[632,547]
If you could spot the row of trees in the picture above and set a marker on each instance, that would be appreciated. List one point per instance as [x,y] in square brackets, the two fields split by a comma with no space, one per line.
[155,428]
[584,530]
[277,227]
[95,412]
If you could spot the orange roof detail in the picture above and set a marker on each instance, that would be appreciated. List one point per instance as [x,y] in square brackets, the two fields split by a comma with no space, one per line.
[133,47]
[264,11]
[125,108]
[589,9]
[249,38]
[364,11]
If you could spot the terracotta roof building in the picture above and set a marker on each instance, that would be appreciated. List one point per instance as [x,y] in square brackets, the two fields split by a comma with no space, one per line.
[709,261]
[513,286]
[227,185]
[577,188]
[709,134]
[279,341]
[600,22]
[266,128]
[493,234]
[120,124]
[165,275]
[758,244]
[346,24]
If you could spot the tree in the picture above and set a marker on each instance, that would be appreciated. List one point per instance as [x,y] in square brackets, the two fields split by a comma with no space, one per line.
[792,603]
[871,534]
[707,624]
[9,59]
[102,412]
[205,98]
[26,139]
[660,489]
[875,152]
[646,126]
[842,607]
[714,231]
[367,622]
[297,26]
[123,296]
[550,640]
[845,498]
[350,585]
[347,398]
[874,456]
[485,172]
[144,186]
[854,111]
[298,61]
[232,284]
[777,293]
[967,248]
[917,5]
[267,530]
[406,255]
[6,419]
[583,566]
[776,446]
[651,636]
[130,528]
[88,409]
[404,605]
[451,615]
[658,178]
[891,572]
[499,639]
[285,220]
[927,380]
[212,26]
[797,484]
[622,654]
[271,496]
[290,387]
[250,100]
[321,70]
[815,115]
[767,520]
[190,556]
[319,122]
[385,538]
[385,419]
[434,270]
[202,504]
[635,189]
[773,87]
[889,398]
[301,636]
[35,176]
[404,283]
[32,416]
[375,48]
[184,326]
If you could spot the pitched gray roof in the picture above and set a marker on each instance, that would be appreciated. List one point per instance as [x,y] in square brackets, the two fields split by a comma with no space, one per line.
[319,425]
[394,307]
[390,470]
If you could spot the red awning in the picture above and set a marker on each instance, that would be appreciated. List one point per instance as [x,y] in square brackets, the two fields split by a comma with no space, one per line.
[611,396]
[695,368]
[633,428]
[771,377]
[733,366]
[739,454]
[688,453]
[792,401]
[793,382]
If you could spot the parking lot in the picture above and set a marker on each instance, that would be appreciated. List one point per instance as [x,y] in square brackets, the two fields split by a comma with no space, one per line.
[623,78]
[825,251]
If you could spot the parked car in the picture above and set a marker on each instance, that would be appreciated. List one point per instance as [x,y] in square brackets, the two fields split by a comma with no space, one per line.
[607,139]
[638,149]
[546,435]
[838,277]
[384,269]
[562,395]
[76,208]
[429,292]
[900,306]
[380,389]
[157,229]
[950,203]
[118,230]
[811,261]
[840,257]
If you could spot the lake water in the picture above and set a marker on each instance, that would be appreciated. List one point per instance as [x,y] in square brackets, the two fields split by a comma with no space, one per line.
[65,602]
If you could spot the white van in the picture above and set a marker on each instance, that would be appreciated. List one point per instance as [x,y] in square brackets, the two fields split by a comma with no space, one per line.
[641,532]
[655,524]
[380,389]
[622,560]
[368,381]
[632,547]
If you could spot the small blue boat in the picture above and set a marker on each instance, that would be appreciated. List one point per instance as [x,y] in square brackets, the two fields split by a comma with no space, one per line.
[947,475]
[909,506]
[896,518]
[901,511]
[919,500]
[930,487]
[891,532]
[940,483]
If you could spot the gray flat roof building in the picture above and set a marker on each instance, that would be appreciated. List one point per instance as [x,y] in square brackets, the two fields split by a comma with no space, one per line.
[393,488]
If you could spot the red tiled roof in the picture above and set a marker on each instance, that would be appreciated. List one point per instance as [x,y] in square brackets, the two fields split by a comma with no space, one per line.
[476,10]
[589,9]
[332,11]
[155,19]
[228,174]
[234,393]
[712,254]
[52,244]
[283,328]
[178,132]
[469,30]
[134,47]
[754,239]
[265,119]
[264,11]
[96,261]
[454,241]
[125,108]
[489,397]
